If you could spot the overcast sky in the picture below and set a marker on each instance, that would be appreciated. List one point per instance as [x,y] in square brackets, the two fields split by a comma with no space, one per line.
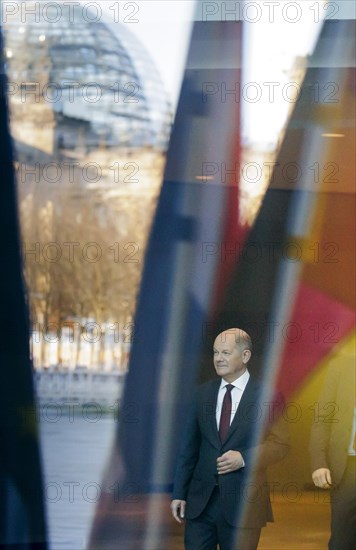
[163,27]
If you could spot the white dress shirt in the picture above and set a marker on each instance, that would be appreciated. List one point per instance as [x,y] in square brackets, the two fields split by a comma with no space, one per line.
[236,394]
[352,450]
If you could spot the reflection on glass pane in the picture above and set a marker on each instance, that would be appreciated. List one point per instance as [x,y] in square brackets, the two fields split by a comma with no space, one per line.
[85,119]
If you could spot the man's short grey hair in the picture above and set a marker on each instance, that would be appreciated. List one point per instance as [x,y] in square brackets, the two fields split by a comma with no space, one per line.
[242,338]
[245,341]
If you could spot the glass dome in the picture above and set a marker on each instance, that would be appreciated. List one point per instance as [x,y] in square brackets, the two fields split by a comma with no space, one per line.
[95,77]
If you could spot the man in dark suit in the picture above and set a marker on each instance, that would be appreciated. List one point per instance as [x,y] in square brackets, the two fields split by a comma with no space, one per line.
[333,450]
[213,487]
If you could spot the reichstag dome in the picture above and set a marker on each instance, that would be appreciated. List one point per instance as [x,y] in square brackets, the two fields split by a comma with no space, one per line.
[91,82]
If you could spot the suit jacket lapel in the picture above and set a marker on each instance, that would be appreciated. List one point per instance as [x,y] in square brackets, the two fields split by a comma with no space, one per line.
[250,395]
[211,402]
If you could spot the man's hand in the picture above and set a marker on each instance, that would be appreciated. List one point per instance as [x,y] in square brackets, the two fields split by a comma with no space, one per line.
[229,462]
[322,478]
[178,509]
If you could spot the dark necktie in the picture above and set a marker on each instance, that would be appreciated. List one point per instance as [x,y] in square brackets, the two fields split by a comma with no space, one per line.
[225,417]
